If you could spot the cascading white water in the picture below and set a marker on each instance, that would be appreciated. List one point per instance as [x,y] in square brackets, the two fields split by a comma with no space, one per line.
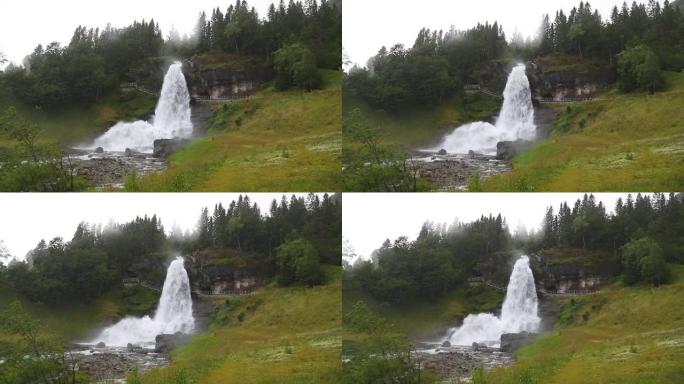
[174,314]
[515,121]
[171,119]
[518,314]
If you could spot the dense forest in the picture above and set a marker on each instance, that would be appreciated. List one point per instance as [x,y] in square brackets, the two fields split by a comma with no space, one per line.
[642,235]
[291,243]
[635,44]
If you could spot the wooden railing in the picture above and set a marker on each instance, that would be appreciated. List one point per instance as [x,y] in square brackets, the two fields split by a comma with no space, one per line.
[224,98]
[572,292]
[479,88]
[228,293]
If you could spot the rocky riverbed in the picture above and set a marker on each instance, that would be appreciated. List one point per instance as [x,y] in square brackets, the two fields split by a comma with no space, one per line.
[458,362]
[106,170]
[112,364]
[451,172]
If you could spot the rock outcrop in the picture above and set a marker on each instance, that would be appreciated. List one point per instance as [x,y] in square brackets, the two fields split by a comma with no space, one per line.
[506,150]
[223,75]
[165,343]
[561,77]
[511,342]
[163,148]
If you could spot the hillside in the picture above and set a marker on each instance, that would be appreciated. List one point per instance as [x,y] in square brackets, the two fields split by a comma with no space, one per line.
[418,127]
[421,320]
[74,321]
[619,142]
[621,335]
[270,337]
[72,125]
[285,141]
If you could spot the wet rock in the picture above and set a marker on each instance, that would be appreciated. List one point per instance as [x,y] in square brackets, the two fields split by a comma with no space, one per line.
[163,148]
[165,343]
[452,171]
[446,344]
[506,150]
[442,152]
[99,150]
[132,153]
[510,342]
[101,344]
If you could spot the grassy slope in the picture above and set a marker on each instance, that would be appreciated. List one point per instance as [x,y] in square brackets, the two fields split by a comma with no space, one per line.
[622,142]
[284,141]
[69,126]
[74,321]
[288,335]
[626,335]
[422,319]
[424,126]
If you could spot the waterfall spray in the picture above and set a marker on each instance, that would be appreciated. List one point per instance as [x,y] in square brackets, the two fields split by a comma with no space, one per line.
[171,119]
[174,313]
[515,121]
[518,314]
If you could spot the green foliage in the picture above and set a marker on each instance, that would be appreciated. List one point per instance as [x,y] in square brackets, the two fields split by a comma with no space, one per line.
[432,265]
[30,356]
[297,261]
[643,259]
[32,165]
[370,164]
[295,66]
[639,68]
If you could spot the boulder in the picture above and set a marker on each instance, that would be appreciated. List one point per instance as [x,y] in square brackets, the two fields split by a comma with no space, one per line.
[442,152]
[165,343]
[99,150]
[506,150]
[446,344]
[101,344]
[510,342]
[163,148]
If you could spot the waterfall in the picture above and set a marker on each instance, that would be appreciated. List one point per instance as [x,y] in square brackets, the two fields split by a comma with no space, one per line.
[171,119]
[515,121]
[174,314]
[518,314]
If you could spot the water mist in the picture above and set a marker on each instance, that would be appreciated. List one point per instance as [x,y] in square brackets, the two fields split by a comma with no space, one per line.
[518,314]
[174,314]
[171,119]
[515,121]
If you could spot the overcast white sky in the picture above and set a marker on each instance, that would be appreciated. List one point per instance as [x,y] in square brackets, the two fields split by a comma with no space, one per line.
[26,23]
[370,218]
[368,25]
[29,217]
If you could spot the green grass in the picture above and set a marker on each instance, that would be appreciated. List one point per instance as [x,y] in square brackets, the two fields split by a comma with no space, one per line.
[279,335]
[620,142]
[73,321]
[418,127]
[626,335]
[72,125]
[284,141]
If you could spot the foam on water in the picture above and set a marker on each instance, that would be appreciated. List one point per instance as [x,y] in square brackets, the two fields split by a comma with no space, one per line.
[171,119]
[174,314]
[515,121]
[518,314]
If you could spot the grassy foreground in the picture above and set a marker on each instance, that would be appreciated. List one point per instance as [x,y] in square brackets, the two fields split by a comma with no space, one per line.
[279,335]
[621,142]
[626,335]
[284,141]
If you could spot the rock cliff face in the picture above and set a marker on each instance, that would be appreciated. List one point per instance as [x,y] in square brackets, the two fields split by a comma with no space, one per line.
[570,270]
[568,79]
[224,274]
[223,76]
